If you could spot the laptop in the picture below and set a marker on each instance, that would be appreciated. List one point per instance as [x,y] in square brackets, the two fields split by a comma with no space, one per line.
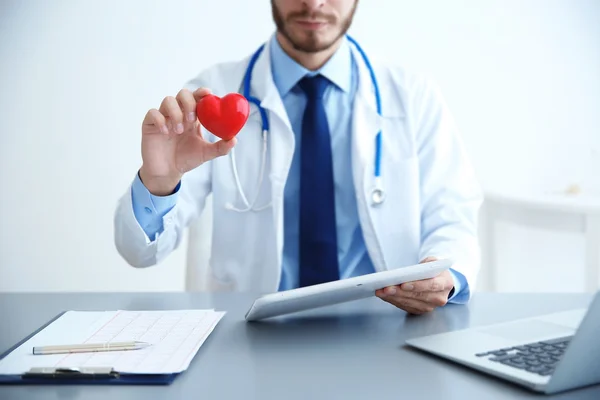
[549,353]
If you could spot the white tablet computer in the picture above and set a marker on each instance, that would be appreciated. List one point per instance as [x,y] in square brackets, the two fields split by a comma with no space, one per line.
[289,301]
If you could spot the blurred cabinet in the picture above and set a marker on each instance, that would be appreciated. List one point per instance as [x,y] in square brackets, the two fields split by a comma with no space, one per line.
[540,243]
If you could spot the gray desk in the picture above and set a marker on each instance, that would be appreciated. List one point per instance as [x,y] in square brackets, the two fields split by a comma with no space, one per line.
[350,351]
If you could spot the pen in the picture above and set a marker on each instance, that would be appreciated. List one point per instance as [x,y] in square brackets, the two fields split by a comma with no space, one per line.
[89,347]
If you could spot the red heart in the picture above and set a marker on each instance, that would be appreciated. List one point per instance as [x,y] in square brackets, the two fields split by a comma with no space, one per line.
[223,117]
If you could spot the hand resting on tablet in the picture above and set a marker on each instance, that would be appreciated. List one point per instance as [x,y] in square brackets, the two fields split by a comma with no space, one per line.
[419,297]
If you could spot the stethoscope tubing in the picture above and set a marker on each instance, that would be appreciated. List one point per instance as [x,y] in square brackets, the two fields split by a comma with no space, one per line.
[377,193]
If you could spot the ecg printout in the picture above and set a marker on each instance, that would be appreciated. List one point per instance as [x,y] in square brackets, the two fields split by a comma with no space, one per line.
[176,336]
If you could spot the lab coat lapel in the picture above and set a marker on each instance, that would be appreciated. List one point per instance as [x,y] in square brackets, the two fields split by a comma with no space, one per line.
[366,123]
[280,140]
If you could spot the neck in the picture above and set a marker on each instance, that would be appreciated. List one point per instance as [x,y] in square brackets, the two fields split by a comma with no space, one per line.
[310,61]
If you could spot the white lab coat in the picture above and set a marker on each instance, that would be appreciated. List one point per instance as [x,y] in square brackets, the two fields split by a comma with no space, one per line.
[432,196]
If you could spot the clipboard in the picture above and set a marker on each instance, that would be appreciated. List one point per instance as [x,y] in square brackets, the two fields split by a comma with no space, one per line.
[85,375]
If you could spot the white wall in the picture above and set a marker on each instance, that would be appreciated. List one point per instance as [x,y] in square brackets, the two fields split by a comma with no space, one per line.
[77,77]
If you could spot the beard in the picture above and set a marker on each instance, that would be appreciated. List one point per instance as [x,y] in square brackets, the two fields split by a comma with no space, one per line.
[311,41]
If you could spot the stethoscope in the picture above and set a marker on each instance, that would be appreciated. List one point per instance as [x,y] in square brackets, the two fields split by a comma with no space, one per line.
[377,193]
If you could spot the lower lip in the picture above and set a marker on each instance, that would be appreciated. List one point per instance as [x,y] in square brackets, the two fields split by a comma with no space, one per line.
[312,25]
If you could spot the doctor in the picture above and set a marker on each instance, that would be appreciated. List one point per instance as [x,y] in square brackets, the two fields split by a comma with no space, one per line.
[347,167]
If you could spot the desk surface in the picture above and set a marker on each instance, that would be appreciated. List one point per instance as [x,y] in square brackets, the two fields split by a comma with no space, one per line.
[350,351]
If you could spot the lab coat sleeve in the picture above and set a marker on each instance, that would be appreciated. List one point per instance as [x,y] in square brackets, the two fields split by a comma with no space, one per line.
[450,193]
[148,228]
[148,240]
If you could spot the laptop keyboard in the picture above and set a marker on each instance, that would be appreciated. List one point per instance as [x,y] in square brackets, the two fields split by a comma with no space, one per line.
[539,357]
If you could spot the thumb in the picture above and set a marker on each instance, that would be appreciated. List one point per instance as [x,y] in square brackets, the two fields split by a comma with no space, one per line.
[225,146]
[219,148]
[428,259]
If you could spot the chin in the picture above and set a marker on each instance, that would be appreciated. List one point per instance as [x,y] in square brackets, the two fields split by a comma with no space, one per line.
[314,43]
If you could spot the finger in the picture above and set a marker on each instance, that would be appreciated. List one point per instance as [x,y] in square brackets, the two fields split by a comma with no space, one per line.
[428,259]
[398,292]
[171,110]
[155,118]
[395,291]
[413,311]
[410,305]
[387,291]
[414,294]
[436,299]
[436,284]
[219,148]
[199,130]
[201,92]
[187,103]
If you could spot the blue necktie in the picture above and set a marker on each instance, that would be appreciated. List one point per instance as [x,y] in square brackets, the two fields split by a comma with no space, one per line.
[318,237]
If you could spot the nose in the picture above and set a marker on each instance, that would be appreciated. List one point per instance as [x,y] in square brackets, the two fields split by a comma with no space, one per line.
[313,4]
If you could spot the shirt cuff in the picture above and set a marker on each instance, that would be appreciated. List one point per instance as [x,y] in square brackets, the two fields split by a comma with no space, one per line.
[460,287]
[150,209]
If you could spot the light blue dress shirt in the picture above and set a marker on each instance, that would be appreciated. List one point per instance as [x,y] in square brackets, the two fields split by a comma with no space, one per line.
[353,257]
[341,71]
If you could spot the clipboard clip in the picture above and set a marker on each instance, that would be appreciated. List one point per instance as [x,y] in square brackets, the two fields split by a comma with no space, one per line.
[71,373]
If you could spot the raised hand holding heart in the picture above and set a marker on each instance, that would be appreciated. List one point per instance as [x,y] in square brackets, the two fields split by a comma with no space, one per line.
[172,142]
[223,117]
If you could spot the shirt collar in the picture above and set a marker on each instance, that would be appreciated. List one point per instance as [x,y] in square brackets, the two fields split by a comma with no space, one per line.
[287,72]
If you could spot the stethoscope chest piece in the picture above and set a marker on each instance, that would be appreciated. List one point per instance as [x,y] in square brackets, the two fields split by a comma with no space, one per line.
[377,196]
